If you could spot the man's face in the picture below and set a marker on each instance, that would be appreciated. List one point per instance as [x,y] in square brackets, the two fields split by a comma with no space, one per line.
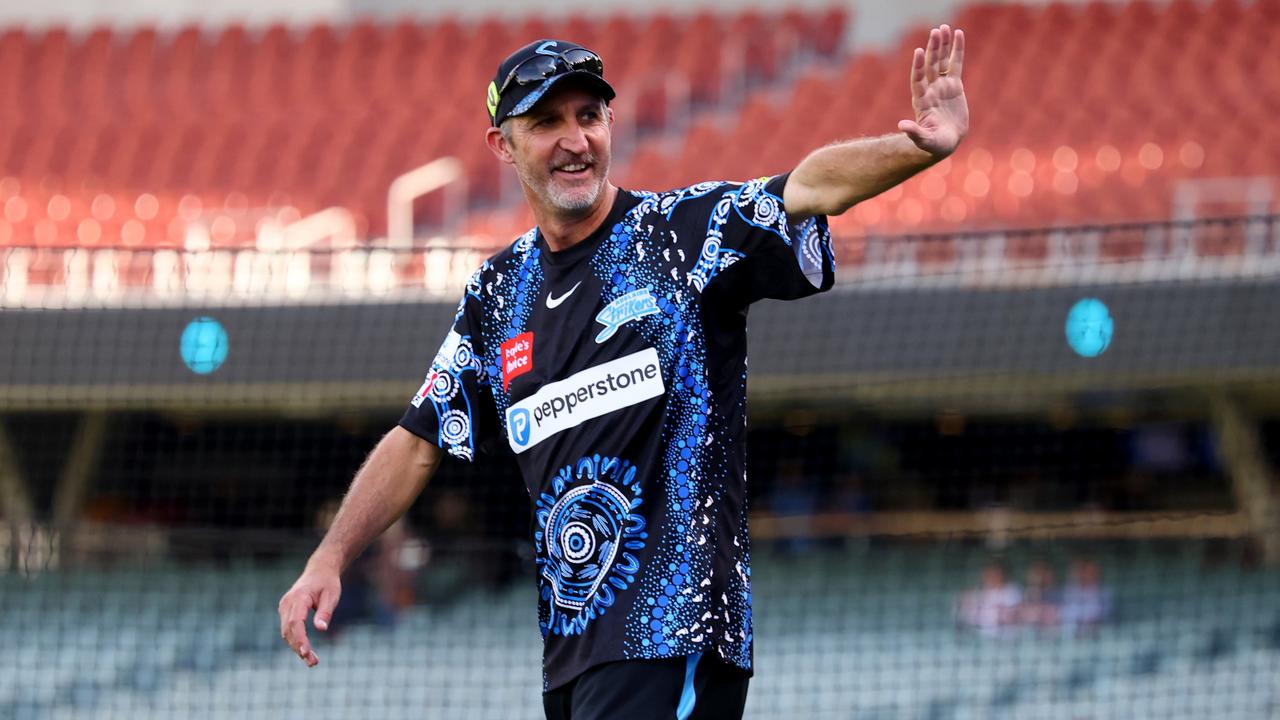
[561,149]
[993,577]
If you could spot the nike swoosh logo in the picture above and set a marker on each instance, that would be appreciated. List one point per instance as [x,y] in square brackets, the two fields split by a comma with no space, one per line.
[553,302]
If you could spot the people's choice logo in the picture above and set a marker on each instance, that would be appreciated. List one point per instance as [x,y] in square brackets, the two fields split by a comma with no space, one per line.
[421,395]
[517,357]
[633,305]
[587,394]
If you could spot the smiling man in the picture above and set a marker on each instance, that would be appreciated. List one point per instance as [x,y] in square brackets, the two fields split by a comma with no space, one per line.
[549,108]
[606,349]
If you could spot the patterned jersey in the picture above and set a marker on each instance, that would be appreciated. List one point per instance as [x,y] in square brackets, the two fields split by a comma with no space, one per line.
[616,372]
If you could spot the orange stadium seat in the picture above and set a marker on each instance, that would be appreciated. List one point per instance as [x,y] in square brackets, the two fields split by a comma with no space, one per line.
[312,112]
[1140,98]
[1177,104]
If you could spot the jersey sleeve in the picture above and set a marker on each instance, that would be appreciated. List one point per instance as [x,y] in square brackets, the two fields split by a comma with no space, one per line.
[454,408]
[775,258]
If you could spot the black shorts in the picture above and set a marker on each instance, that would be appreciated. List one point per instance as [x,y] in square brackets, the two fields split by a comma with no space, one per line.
[688,688]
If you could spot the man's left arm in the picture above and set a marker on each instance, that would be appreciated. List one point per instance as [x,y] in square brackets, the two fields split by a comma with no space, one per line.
[835,178]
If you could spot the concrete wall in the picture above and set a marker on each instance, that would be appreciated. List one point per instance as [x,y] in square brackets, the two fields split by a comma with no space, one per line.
[919,345]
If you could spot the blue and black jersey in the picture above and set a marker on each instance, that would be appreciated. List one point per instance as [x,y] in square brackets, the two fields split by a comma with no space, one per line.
[616,372]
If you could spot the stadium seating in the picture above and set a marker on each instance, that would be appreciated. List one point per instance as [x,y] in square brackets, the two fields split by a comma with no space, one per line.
[1131,100]
[839,634]
[243,120]
[149,139]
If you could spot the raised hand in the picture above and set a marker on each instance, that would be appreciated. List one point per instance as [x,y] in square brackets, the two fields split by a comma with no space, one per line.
[937,94]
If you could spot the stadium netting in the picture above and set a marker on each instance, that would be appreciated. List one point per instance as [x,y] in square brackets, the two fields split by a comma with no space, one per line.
[1000,475]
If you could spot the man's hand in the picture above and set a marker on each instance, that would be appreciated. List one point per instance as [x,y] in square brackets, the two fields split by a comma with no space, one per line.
[942,114]
[317,589]
[384,487]
[834,178]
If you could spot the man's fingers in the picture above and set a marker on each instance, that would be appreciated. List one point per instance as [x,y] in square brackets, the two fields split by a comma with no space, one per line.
[296,634]
[944,49]
[309,657]
[957,54]
[299,642]
[324,608]
[917,73]
[911,128]
[287,614]
[943,55]
[286,605]
[293,626]
[931,55]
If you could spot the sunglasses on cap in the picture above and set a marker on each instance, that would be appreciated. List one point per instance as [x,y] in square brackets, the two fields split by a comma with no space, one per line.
[542,66]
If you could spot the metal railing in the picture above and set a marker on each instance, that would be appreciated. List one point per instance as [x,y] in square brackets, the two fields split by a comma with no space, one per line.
[297,271]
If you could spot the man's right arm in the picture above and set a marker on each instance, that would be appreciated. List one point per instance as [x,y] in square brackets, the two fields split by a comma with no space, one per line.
[385,486]
[835,178]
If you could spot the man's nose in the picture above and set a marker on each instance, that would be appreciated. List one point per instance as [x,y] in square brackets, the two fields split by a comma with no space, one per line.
[575,139]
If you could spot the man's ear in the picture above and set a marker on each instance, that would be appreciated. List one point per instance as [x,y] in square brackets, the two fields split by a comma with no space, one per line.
[498,144]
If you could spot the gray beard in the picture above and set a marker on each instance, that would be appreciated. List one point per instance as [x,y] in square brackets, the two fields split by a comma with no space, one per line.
[562,203]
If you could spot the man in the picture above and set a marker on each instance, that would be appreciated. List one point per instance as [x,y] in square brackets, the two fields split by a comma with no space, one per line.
[992,607]
[1086,601]
[607,349]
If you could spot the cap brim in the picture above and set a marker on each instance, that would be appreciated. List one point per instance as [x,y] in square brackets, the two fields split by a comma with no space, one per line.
[590,80]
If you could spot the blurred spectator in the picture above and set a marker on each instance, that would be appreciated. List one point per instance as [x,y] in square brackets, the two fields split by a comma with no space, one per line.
[1086,602]
[399,557]
[1041,604]
[372,588]
[993,605]
[461,556]
[794,495]
[849,494]
[1160,448]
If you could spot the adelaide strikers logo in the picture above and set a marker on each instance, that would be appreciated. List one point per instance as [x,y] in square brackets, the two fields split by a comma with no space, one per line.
[588,534]
[632,306]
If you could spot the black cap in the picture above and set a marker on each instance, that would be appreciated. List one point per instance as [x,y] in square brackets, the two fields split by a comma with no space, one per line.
[518,99]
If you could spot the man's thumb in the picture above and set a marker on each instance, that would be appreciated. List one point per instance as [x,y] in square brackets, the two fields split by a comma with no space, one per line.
[911,129]
[324,608]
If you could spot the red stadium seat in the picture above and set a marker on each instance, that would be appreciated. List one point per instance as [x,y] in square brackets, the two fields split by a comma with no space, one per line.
[1143,95]
[829,30]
